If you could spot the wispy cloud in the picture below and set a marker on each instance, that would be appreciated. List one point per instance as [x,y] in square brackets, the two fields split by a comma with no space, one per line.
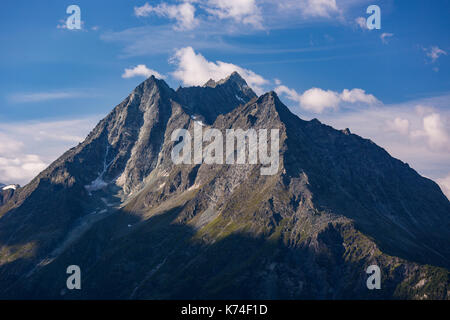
[161,39]
[213,22]
[385,37]
[434,52]
[183,13]
[141,70]
[241,11]
[45,96]
[319,8]
[27,148]
[361,22]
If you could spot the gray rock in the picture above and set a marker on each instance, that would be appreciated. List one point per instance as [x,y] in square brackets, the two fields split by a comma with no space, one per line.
[337,204]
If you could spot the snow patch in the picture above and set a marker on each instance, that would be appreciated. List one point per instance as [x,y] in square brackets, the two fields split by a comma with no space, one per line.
[11,186]
[239,98]
[197,121]
[99,183]
[95,185]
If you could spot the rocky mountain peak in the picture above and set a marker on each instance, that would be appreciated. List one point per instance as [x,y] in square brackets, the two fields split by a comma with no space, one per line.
[152,86]
[210,83]
[234,77]
[118,206]
[215,98]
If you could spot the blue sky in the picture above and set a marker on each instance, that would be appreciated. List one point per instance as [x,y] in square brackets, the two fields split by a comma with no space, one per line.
[390,85]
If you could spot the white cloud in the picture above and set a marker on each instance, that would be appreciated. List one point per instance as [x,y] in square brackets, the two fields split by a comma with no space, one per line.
[314,99]
[242,11]
[398,125]
[290,93]
[143,11]
[312,8]
[422,110]
[317,100]
[8,145]
[384,37]
[444,183]
[434,53]
[15,166]
[357,95]
[183,13]
[14,170]
[257,14]
[319,8]
[435,132]
[26,148]
[193,69]
[141,70]
[214,33]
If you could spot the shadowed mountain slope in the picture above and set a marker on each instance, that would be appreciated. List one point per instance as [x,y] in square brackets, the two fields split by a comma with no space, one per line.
[141,227]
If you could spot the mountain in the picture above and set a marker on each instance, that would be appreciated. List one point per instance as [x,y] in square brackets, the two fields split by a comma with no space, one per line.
[141,227]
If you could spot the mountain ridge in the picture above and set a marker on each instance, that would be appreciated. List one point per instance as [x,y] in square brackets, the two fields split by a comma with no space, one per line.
[337,203]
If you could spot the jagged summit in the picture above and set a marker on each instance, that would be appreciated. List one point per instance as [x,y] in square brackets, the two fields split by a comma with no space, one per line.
[210,83]
[215,98]
[152,81]
[234,77]
[141,226]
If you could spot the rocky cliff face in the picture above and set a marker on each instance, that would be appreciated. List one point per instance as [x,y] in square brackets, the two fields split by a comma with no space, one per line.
[7,192]
[141,227]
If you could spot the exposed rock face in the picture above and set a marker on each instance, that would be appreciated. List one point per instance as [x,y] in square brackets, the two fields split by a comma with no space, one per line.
[141,227]
[6,192]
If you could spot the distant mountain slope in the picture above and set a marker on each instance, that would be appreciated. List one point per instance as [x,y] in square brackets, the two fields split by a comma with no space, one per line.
[141,227]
